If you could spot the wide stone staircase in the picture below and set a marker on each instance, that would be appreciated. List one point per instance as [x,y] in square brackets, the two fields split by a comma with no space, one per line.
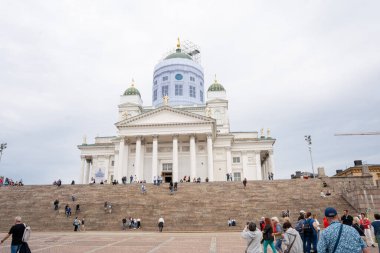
[194,207]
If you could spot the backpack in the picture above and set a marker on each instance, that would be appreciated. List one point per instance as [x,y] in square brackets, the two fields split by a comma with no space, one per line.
[26,235]
[298,225]
[307,227]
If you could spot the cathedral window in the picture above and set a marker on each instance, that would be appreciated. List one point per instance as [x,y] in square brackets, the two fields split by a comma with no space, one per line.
[192,91]
[178,90]
[165,90]
[201,83]
[201,95]
[192,78]
[236,159]
[154,95]
[237,176]
[165,78]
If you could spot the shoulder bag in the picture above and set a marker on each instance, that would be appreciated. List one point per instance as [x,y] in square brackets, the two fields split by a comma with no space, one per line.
[249,244]
[291,245]
[337,240]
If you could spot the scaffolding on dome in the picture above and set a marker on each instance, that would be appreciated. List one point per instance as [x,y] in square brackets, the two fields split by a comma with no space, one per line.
[188,47]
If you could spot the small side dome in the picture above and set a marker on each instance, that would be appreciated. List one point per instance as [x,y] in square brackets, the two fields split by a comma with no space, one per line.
[178,53]
[132,90]
[216,86]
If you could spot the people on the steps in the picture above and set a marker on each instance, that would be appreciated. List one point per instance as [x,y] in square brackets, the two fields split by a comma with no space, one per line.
[161,224]
[245,183]
[76,224]
[56,204]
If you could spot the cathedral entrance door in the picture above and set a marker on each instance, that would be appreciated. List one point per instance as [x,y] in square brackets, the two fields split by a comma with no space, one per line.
[167,172]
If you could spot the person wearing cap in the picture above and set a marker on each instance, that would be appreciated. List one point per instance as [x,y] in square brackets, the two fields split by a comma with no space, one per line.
[348,241]
[17,232]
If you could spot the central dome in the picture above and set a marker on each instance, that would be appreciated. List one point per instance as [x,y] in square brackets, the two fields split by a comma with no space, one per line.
[178,54]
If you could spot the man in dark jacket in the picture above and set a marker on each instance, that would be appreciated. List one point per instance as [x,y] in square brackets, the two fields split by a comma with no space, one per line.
[346,218]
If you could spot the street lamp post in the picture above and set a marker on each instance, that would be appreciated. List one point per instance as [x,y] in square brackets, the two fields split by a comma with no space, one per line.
[2,147]
[308,140]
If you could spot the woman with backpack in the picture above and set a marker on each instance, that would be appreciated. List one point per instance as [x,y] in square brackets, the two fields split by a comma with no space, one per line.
[268,236]
[310,233]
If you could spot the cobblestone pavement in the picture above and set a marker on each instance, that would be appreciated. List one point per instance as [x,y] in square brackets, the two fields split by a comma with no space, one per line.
[134,242]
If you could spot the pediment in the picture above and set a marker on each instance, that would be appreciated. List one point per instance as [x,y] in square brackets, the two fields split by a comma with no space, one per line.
[165,116]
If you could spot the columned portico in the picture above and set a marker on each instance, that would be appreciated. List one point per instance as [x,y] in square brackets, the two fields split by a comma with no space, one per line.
[210,159]
[175,158]
[154,156]
[138,157]
[193,159]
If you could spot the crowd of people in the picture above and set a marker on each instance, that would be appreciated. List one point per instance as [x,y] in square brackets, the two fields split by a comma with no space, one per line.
[341,234]
[10,182]
[130,223]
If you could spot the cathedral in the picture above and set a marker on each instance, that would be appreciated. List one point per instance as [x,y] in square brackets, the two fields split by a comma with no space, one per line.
[185,133]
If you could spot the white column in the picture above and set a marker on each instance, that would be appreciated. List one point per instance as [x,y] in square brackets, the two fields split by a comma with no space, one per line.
[228,158]
[175,158]
[124,172]
[271,161]
[115,167]
[154,157]
[142,157]
[138,157]
[193,158]
[82,172]
[106,170]
[87,171]
[118,175]
[259,175]
[263,172]
[210,159]
[245,167]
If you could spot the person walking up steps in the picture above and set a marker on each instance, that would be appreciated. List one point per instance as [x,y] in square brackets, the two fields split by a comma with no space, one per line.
[161,224]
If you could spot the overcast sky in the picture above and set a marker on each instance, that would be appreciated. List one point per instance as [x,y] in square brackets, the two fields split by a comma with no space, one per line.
[296,67]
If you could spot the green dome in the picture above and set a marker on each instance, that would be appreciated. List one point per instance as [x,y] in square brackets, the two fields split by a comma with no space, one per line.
[216,87]
[178,54]
[132,91]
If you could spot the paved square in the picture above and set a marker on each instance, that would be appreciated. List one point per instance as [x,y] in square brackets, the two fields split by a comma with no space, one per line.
[135,242]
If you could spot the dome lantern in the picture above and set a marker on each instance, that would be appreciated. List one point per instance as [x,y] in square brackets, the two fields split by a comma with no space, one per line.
[132,90]
[216,86]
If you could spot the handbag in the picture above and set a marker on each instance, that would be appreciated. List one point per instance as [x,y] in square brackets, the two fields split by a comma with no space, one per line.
[291,245]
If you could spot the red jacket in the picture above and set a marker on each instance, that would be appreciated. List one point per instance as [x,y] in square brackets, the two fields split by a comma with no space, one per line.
[325,222]
[366,223]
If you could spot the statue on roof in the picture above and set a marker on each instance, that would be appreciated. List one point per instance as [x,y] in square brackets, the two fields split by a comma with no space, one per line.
[208,111]
[166,99]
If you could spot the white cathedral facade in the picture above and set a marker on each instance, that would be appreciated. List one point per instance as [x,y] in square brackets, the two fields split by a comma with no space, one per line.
[181,134]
